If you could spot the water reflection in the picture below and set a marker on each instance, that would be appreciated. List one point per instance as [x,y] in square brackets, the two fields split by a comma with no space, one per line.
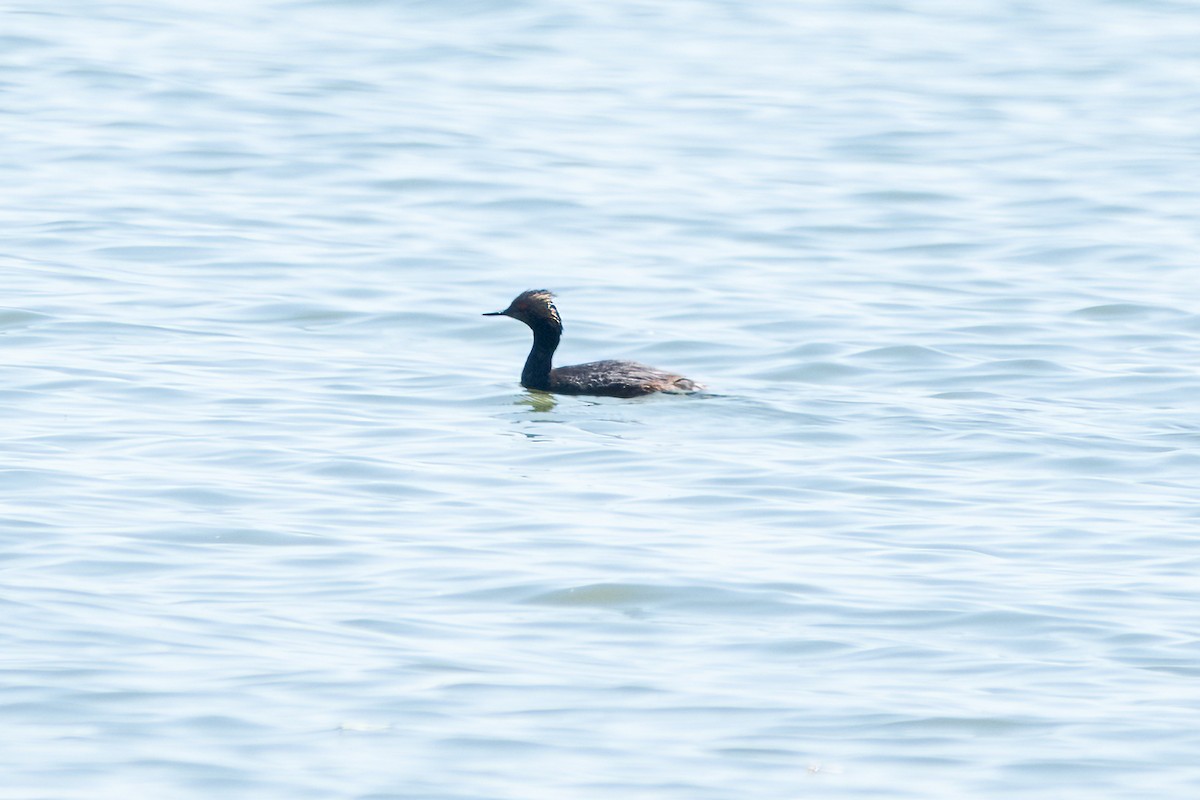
[537,401]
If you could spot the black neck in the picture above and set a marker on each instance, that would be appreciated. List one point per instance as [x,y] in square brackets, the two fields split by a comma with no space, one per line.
[536,374]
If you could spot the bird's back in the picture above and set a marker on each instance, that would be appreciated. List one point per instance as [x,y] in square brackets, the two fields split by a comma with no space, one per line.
[616,379]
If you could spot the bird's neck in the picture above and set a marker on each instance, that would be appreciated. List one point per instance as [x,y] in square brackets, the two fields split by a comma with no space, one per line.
[536,374]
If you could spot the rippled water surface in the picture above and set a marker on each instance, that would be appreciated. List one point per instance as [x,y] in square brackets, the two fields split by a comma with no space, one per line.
[279,522]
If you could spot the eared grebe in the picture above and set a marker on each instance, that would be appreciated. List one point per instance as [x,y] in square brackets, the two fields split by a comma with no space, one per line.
[608,378]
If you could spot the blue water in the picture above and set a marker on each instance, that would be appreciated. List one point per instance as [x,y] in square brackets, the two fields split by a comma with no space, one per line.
[279,522]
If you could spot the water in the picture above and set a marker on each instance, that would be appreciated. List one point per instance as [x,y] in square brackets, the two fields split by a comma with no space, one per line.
[279,522]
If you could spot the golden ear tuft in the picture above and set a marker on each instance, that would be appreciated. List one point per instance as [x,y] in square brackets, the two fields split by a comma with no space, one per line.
[539,301]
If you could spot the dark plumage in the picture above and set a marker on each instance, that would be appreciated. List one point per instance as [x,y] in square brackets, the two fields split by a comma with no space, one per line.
[608,378]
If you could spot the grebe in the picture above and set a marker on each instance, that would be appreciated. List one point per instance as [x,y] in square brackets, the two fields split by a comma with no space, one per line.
[607,378]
